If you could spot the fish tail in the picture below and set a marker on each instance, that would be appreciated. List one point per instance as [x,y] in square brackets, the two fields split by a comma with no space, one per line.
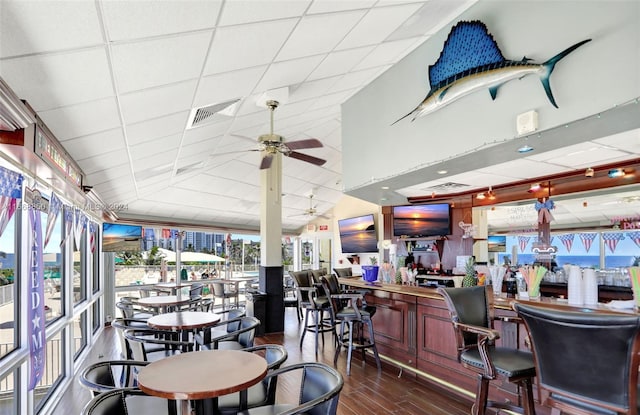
[550,65]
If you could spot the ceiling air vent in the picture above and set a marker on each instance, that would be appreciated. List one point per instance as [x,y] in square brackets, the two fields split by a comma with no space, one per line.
[448,186]
[212,113]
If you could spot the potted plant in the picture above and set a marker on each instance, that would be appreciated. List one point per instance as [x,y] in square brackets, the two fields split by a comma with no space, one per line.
[469,279]
[370,272]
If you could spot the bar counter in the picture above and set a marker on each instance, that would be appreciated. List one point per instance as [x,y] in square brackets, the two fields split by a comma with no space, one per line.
[414,333]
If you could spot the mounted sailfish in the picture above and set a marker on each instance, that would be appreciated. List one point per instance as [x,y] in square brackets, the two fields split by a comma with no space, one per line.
[471,60]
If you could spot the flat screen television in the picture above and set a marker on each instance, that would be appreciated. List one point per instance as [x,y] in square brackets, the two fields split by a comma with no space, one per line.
[419,221]
[358,235]
[119,237]
[497,243]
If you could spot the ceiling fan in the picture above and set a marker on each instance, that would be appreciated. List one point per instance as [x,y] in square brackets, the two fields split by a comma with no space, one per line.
[273,143]
[312,211]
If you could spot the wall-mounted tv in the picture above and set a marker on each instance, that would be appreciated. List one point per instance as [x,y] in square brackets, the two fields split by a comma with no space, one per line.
[419,221]
[119,237]
[497,243]
[358,235]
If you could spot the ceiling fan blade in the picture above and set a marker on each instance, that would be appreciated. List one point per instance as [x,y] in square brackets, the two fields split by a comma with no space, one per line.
[305,157]
[300,144]
[266,161]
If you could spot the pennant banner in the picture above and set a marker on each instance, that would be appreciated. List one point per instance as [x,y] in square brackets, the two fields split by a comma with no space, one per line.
[567,240]
[52,216]
[68,223]
[523,241]
[587,240]
[35,301]
[635,237]
[611,240]
[8,207]
[79,224]
[92,236]
[10,183]
[166,233]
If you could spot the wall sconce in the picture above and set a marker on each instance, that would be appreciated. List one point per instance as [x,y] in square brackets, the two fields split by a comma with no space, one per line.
[589,172]
[534,187]
[480,196]
[613,173]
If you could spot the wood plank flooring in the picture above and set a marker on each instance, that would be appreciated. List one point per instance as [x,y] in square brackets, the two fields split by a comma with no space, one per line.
[365,391]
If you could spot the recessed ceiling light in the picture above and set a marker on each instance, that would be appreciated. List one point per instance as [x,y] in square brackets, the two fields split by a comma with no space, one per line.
[525,149]
[442,172]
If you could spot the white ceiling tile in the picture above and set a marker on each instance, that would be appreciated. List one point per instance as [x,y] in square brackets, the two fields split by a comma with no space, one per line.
[331,6]
[385,54]
[151,63]
[158,145]
[56,80]
[523,169]
[127,20]
[580,154]
[288,73]
[205,132]
[152,103]
[158,127]
[304,40]
[353,80]
[337,98]
[627,141]
[113,160]
[111,178]
[228,85]
[430,18]
[260,42]
[80,120]
[28,27]
[238,11]
[338,63]
[92,145]
[159,159]
[377,25]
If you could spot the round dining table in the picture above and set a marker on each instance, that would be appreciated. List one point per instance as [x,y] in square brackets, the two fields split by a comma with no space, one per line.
[162,302]
[184,322]
[200,375]
[172,286]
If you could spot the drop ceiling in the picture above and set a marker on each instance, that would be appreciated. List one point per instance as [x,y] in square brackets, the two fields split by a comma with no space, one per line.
[117,81]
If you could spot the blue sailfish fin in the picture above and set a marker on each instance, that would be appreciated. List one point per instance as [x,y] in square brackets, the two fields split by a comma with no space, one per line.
[494,91]
[468,46]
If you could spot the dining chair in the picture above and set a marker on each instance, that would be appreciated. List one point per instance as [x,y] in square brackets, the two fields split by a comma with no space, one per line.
[257,395]
[352,312]
[587,360]
[108,375]
[127,402]
[220,291]
[139,338]
[229,324]
[343,272]
[129,309]
[240,338]
[319,390]
[314,304]
[122,324]
[472,314]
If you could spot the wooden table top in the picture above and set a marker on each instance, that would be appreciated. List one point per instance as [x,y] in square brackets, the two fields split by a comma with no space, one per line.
[183,320]
[163,300]
[202,375]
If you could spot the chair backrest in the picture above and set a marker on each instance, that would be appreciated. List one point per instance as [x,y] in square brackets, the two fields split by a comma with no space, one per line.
[319,389]
[125,402]
[138,338]
[585,358]
[317,275]
[126,308]
[110,374]
[469,305]
[302,279]
[218,289]
[196,290]
[331,286]
[247,331]
[232,321]
[343,272]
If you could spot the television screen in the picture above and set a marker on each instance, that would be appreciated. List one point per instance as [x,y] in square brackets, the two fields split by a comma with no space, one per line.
[497,243]
[417,221]
[358,235]
[119,237]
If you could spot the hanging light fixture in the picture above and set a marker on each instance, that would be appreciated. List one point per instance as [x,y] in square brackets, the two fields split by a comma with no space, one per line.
[491,194]
[480,196]
[534,187]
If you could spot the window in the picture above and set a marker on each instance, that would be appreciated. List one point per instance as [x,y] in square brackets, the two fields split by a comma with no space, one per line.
[8,399]
[53,269]
[54,370]
[80,337]
[8,285]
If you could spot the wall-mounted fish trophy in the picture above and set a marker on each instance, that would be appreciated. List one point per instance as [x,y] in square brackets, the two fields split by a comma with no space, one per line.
[471,60]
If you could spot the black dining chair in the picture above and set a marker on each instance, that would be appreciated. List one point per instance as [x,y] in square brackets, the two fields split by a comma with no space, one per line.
[128,402]
[240,338]
[587,360]
[320,386]
[140,339]
[472,315]
[108,375]
[257,395]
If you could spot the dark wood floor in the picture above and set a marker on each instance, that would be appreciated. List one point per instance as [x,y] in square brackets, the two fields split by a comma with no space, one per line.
[365,391]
